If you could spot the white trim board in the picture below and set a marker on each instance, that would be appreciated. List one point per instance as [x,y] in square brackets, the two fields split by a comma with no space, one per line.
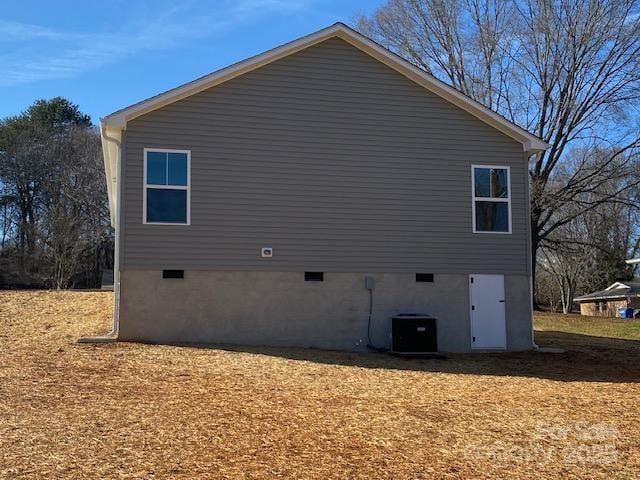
[617,285]
[475,199]
[145,186]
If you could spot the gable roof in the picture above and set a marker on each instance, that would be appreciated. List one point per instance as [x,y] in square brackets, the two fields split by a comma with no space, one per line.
[530,142]
[114,123]
[621,289]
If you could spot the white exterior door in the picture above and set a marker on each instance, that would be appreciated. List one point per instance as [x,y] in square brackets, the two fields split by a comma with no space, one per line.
[488,326]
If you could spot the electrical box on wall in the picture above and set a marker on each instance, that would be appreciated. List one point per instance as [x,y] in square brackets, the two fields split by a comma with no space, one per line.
[267,252]
[368,283]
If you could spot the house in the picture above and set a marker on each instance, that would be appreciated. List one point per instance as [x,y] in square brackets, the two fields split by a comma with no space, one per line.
[605,303]
[303,196]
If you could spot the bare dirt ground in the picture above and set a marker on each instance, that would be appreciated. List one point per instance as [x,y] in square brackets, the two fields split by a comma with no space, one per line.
[70,410]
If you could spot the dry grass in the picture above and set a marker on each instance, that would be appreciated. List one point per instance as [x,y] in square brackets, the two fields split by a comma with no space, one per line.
[142,411]
[593,326]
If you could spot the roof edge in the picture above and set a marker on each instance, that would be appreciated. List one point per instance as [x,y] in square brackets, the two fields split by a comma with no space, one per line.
[612,291]
[584,298]
[122,116]
[530,143]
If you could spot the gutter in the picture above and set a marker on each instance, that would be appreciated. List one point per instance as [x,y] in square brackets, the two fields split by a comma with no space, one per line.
[112,336]
[595,299]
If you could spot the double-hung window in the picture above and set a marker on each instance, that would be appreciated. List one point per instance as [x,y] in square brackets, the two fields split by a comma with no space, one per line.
[167,186]
[491,191]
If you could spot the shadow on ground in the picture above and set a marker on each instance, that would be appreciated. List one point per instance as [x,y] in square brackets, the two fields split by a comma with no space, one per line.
[585,359]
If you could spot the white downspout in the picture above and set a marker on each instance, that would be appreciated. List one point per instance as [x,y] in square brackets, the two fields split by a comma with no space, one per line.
[115,328]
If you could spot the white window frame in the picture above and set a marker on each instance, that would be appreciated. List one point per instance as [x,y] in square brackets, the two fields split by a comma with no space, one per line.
[475,199]
[166,187]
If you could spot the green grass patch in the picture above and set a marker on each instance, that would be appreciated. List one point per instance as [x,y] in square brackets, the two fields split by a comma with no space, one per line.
[593,326]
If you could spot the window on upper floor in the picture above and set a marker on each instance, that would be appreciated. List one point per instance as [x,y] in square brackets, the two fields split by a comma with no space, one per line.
[491,192]
[167,186]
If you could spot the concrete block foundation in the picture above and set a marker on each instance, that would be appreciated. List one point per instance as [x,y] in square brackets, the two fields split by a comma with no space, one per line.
[282,309]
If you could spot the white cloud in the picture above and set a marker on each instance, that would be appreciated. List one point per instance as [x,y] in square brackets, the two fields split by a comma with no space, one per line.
[44,53]
[271,5]
[15,31]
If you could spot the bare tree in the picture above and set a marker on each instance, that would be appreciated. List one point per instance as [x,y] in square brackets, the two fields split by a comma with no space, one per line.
[565,269]
[567,70]
[588,253]
[461,42]
[6,216]
[74,206]
[547,290]
[54,197]
[22,175]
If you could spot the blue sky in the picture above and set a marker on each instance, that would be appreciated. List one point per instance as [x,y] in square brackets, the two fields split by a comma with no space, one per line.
[107,55]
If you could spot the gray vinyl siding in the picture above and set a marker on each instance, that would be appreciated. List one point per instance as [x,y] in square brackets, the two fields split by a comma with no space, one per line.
[338,162]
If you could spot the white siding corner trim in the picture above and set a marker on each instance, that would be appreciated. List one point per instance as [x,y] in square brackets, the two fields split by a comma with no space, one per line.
[165,187]
[475,199]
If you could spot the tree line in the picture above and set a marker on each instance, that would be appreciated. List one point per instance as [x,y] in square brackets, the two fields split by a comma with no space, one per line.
[54,216]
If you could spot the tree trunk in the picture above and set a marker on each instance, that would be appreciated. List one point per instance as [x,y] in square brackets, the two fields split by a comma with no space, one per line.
[535,244]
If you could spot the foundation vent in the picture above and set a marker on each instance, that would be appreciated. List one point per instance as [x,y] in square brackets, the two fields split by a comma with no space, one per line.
[172,273]
[424,277]
[313,276]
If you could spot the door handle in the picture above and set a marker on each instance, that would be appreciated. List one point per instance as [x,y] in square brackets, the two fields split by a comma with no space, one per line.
[501,301]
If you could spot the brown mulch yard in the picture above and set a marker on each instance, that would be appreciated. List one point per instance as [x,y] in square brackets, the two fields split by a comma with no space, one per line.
[70,410]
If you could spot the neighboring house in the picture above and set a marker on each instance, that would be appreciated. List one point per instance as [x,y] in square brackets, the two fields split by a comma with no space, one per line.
[606,303]
[251,204]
